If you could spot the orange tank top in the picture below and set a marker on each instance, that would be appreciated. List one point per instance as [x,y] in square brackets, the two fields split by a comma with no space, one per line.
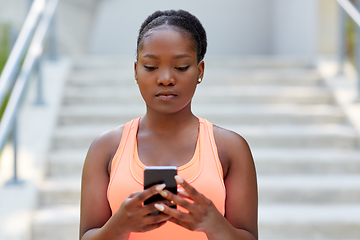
[203,171]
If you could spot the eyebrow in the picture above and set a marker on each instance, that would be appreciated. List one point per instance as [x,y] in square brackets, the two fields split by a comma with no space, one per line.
[150,56]
[181,56]
[156,57]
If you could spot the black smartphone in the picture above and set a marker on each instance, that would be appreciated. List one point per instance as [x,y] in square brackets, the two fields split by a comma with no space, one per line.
[158,175]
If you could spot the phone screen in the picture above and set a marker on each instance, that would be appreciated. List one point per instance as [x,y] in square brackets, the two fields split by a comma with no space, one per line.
[158,175]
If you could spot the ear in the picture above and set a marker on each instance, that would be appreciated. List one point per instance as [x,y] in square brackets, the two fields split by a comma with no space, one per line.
[135,70]
[201,69]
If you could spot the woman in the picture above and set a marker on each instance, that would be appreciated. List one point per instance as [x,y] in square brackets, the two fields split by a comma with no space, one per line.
[216,171]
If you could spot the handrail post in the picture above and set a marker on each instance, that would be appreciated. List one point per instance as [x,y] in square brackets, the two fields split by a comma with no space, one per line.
[357,54]
[342,35]
[15,180]
[39,86]
[52,39]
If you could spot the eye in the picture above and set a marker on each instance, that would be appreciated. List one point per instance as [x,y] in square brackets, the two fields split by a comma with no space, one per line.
[182,69]
[150,68]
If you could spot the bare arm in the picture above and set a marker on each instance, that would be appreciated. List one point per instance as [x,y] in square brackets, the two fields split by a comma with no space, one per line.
[95,209]
[240,181]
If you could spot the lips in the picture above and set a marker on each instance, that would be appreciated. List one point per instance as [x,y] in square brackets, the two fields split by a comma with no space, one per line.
[166,95]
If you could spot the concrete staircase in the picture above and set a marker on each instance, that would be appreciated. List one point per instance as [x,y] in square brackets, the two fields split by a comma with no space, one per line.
[306,154]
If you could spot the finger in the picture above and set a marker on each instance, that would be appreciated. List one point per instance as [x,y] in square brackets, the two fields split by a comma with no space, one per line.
[183,217]
[167,202]
[133,194]
[147,193]
[183,194]
[178,200]
[157,218]
[193,194]
[149,227]
[150,208]
[180,193]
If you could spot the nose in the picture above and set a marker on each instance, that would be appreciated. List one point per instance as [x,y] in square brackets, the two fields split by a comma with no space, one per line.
[166,78]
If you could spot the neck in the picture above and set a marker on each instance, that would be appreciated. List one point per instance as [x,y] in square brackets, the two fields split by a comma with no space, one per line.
[168,122]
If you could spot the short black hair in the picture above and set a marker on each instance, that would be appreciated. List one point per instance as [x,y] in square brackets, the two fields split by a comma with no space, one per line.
[180,19]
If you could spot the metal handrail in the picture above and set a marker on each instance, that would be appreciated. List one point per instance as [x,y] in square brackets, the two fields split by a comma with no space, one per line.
[353,12]
[7,77]
[34,53]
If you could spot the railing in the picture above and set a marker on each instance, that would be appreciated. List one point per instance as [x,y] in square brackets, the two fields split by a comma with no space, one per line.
[353,12]
[35,28]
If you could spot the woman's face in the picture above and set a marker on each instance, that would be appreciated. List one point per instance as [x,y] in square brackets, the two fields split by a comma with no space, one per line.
[167,71]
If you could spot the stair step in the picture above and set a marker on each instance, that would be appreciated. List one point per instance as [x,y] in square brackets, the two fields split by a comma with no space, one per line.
[216,113]
[60,191]
[260,62]
[98,113]
[262,94]
[78,136]
[335,189]
[300,221]
[206,94]
[85,62]
[278,161]
[56,223]
[307,136]
[100,77]
[312,136]
[263,76]
[67,163]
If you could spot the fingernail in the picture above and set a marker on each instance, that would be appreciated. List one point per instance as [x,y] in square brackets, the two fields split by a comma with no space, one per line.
[179,179]
[163,193]
[159,207]
[160,187]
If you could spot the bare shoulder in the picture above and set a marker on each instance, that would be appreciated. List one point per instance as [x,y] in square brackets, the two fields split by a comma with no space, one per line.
[239,178]
[104,147]
[232,148]
[228,136]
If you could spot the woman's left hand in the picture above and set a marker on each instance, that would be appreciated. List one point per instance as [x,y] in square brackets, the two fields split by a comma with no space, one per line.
[202,216]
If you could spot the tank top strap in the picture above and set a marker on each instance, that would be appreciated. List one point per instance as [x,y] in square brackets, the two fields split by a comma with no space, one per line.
[125,145]
[208,143]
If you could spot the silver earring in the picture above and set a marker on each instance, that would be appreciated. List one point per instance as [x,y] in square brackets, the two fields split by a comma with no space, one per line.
[135,81]
[199,80]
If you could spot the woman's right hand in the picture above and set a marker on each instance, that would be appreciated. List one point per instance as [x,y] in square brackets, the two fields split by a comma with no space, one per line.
[133,216]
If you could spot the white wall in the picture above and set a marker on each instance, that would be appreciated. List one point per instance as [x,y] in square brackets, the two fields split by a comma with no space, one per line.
[295,27]
[234,27]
